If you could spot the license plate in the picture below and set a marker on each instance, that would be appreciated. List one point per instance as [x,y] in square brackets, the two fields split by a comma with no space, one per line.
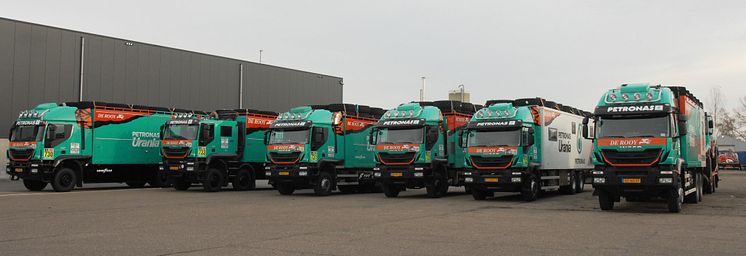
[284,173]
[632,180]
[490,179]
[396,174]
[19,169]
[173,168]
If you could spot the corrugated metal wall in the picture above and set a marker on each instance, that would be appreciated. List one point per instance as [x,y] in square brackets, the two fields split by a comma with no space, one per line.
[42,64]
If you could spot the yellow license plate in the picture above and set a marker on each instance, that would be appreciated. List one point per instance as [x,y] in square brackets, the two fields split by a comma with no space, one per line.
[632,180]
[173,168]
[396,174]
[19,169]
[490,179]
[284,173]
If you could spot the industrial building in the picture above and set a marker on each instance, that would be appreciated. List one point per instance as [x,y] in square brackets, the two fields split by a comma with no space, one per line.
[40,63]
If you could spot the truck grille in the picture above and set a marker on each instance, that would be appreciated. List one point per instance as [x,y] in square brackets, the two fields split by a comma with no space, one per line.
[396,159]
[284,158]
[501,162]
[647,157]
[21,154]
[180,152]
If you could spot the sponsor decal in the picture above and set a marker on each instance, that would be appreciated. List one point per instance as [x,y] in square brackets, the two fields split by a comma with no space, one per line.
[564,142]
[640,108]
[456,120]
[494,150]
[550,115]
[255,122]
[286,147]
[183,143]
[74,148]
[103,115]
[290,124]
[182,121]
[314,156]
[201,151]
[496,124]
[22,144]
[627,142]
[146,139]
[48,153]
[427,155]
[406,122]
[105,170]
[398,147]
[224,142]
[354,124]
[27,122]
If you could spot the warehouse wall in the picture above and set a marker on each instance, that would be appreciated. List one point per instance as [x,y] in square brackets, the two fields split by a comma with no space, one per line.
[42,64]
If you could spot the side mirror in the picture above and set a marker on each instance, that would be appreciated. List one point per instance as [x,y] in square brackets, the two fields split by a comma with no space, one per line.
[163,130]
[318,137]
[51,130]
[461,142]
[528,136]
[682,128]
[266,137]
[372,137]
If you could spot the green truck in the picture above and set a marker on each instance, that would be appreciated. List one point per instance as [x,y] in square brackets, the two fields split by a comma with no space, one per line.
[416,146]
[215,150]
[87,142]
[526,145]
[652,141]
[322,147]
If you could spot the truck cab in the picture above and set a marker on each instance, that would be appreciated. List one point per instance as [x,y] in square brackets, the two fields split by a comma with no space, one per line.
[651,141]
[415,146]
[322,147]
[214,150]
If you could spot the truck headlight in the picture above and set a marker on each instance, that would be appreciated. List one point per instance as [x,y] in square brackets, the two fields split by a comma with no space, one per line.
[266,167]
[599,180]
[376,169]
[598,172]
[377,174]
[468,179]
[160,168]
[34,170]
[418,174]
[267,173]
[516,173]
[665,180]
[303,167]
[666,172]
[303,173]
[467,174]
[515,179]
[34,165]
[190,168]
[418,169]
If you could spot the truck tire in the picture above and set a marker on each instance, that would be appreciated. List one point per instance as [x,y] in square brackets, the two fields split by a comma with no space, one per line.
[531,188]
[213,180]
[579,182]
[135,184]
[243,180]
[700,186]
[675,199]
[390,190]
[324,185]
[285,189]
[182,183]
[347,189]
[480,195]
[695,197]
[435,188]
[605,201]
[64,180]
[160,180]
[34,185]
[569,189]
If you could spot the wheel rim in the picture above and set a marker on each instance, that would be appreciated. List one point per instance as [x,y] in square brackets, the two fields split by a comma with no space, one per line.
[533,186]
[214,180]
[66,179]
[325,183]
[681,196]
[243,180]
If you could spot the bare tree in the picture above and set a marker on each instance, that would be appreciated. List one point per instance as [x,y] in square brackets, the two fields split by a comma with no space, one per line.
[739,119]
[716,104]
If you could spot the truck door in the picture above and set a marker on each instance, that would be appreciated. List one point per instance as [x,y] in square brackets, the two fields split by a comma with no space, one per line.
[228,141]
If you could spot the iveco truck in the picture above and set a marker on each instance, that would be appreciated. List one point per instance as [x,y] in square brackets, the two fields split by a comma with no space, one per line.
[527,146]
[322,147]
[227,147]
[85,142]
[416,146]
[652,141]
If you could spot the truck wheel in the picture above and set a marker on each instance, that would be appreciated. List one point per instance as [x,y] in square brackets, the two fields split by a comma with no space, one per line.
[435,189]
[64,180]
[182,183]
[531,188]
[480,195]
[675,199]
[694,198]
[213,180]
[390,190]
[34,185]
[285,188]
[579,182]
[243,180]
[135,184]
[700,186]
[569,189]
[160,180]
[605,201]
[347,189]
[467,190]
[324,185]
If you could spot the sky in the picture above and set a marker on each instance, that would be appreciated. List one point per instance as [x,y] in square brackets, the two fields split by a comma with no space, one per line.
[566,51]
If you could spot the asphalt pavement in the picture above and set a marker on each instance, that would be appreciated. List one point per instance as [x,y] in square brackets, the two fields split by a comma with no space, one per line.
[116,220]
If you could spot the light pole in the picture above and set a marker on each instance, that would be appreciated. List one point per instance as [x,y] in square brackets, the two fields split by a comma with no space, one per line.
[260,56]
[462,92]
[422,91]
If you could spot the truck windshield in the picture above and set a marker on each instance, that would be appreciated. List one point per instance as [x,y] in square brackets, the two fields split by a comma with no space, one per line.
[399,136]
[26,133]
[289,136]
[494,138]
[181,132]
[633,127]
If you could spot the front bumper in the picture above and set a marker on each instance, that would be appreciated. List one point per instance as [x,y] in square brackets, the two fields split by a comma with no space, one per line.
[300,175]
[508,180]
[409,175]
[190,168]
[31,170]
[635,181]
